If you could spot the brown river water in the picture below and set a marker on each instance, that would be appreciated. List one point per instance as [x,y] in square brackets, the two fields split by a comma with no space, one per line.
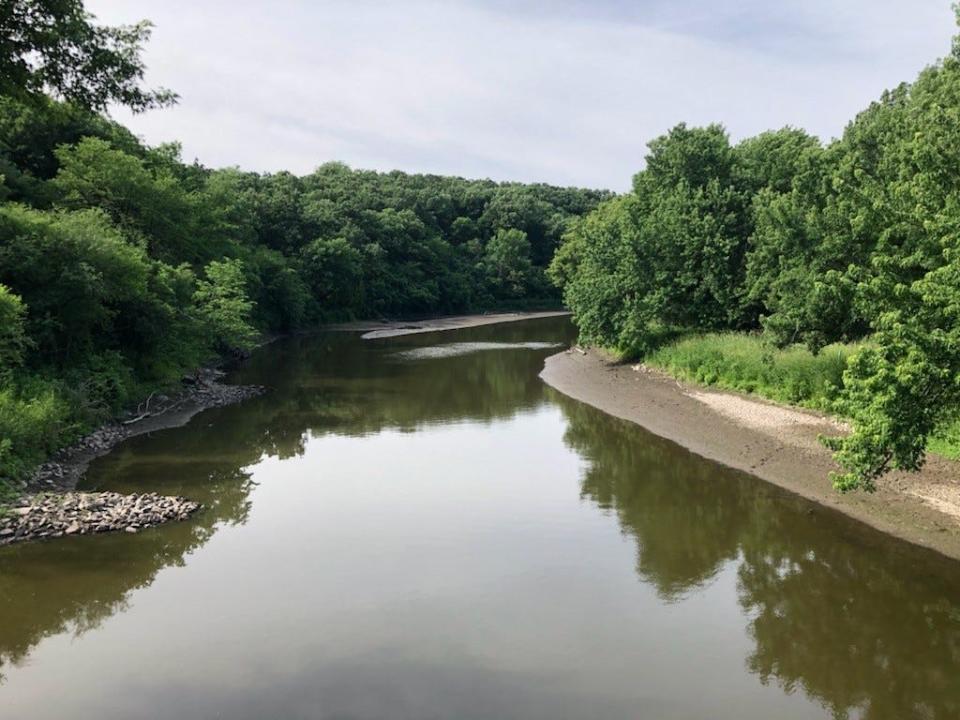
[419,528]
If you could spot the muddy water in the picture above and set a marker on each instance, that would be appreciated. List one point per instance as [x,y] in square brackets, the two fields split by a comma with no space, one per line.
[419,528]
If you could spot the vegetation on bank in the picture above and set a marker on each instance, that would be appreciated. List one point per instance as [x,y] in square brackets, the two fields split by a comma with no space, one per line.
[857,240]
[750,364]
[122,267]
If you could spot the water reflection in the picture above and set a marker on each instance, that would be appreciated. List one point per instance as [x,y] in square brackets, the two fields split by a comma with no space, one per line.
[825,609]
[868,627]
[319,384]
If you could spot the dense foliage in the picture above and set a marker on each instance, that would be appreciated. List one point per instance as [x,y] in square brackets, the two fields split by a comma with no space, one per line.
[54,46]
[121,267]
[811,244]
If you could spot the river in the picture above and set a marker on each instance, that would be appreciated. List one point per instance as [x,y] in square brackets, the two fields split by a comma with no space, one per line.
[418,528]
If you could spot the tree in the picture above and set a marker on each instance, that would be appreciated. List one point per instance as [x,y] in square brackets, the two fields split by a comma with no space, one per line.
[772,159]
[333,270]
[906,384]
[670,254]
[75,271]
[54,46]
[224,308]
[13,338]
[150,204]
[507,263]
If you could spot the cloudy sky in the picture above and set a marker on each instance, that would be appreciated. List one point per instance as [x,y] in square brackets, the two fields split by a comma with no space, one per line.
[567,92]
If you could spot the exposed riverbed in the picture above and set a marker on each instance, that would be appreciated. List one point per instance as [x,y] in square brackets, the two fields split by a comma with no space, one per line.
[418,526]
[777,443]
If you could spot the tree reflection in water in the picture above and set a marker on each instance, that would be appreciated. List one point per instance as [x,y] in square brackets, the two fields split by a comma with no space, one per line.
[867,626]
[319,384]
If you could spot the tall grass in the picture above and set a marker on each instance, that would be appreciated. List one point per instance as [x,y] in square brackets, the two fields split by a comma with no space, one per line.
[794,375]
[746,363]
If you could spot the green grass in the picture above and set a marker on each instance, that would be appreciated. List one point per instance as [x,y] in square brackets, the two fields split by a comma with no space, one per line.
[947,441]
[35,420]
[793,375]
[746,363]
[41,414]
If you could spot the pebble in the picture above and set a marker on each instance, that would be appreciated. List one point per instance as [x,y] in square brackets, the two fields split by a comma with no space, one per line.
[76,513]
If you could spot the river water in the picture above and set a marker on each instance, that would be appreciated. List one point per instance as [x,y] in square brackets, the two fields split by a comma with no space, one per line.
[419,528]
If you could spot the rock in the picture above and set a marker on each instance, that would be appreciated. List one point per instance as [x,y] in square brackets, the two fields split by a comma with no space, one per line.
[76,513]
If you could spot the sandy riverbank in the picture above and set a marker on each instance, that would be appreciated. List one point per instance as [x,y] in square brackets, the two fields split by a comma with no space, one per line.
[776,443]
[377,329]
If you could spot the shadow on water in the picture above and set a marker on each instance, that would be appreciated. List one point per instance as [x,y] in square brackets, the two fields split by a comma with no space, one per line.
[865,626]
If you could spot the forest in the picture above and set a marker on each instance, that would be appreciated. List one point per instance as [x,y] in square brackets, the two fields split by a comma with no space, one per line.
[122,267]
[821,274]
[824,274]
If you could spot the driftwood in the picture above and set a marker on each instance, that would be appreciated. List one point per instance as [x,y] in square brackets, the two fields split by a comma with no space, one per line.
[145,412]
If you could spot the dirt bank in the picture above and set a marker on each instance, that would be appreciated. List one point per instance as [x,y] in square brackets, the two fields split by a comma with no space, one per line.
[376,329]
[778,444]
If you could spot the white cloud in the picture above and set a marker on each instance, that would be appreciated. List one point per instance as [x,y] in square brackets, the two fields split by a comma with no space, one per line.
[568,93]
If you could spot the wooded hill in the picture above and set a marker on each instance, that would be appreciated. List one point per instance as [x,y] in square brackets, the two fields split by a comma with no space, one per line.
[121,266]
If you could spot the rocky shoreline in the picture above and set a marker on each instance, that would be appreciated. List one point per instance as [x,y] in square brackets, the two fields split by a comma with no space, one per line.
[50,507]
[201,391]
[54,515]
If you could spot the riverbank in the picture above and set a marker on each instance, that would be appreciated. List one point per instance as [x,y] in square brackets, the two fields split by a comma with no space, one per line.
[776,443]
[201,391]
[52,485]
[375,330]
[50,507]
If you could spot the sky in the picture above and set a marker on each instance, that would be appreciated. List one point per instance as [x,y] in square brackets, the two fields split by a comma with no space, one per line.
[567,92]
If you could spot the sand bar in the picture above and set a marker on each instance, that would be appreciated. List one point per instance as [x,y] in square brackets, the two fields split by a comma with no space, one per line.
[377,329]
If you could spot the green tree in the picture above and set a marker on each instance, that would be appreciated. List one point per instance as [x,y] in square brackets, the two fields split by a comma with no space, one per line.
[507,263]
[333,269]
[901,390]
[54,46]
[223,306]
[151,205]
[13,338]
[76,272]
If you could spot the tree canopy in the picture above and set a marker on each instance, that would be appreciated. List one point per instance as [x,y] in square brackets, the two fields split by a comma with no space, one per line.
[121,266]
[813,244]
[55,47]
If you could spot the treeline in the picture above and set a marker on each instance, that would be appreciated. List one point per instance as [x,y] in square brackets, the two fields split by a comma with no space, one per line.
[121,266]
[808,243]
